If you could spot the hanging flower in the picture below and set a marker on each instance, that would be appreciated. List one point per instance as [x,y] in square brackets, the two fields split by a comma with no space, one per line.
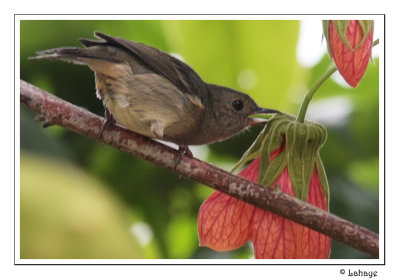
[350,46]
[226,223]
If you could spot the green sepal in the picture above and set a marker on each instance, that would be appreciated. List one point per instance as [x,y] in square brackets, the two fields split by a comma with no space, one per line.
[253,151]
[300,154]
[274,169]
[323,179]
[273,140]
[303,143]
[325,29]
[301,160]
[255,148]
[366,26]
[341,29]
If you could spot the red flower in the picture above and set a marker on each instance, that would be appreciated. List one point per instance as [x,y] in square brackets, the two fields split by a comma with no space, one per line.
[226,223]
[350,44]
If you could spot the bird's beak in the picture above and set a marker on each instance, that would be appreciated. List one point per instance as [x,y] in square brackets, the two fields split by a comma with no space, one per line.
[261,115]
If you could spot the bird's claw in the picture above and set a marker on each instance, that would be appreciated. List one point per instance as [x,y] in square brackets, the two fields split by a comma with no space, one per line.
[183,150]
[109,120]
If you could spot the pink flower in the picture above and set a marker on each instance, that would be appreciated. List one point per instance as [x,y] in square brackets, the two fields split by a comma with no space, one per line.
[226,223]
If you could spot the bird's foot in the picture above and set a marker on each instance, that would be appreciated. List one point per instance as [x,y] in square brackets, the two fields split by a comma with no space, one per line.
[109,120]
[183,150]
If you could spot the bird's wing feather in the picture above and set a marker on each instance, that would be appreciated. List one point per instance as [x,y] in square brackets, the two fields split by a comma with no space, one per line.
[176,71]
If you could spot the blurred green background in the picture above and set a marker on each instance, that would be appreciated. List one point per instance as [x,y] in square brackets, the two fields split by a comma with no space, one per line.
[83,199]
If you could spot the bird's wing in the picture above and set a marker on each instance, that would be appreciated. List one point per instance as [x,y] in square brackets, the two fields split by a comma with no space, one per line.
[176,71]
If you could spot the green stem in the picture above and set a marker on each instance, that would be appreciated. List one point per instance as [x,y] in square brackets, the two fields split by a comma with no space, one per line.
[307,99]
[303,109]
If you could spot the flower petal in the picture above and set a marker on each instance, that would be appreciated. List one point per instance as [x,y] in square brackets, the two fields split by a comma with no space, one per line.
[224,222]
[275,237]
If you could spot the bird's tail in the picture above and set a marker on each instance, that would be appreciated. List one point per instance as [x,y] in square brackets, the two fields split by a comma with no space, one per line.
[74,55]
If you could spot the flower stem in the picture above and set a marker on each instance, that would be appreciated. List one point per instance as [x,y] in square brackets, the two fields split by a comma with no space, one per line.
[304,106]
[303,109]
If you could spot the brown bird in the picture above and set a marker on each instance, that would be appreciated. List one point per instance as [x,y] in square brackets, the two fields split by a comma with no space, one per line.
[157,95]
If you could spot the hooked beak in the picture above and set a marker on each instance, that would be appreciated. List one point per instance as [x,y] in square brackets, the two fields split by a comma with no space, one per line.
[259,115]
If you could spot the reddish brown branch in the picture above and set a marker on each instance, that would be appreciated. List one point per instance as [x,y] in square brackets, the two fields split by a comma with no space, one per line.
[53,110]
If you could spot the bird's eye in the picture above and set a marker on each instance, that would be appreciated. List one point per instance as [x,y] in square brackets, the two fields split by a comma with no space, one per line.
[237,104]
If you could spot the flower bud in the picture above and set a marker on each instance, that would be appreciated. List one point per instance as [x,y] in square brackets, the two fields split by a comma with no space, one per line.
[349,43]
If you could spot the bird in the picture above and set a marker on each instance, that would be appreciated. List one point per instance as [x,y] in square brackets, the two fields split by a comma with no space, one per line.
[157,95]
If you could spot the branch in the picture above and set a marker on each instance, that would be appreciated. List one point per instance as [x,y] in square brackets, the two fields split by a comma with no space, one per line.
[53,110]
